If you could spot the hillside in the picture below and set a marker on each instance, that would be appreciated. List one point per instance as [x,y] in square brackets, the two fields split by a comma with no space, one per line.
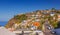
[39,17]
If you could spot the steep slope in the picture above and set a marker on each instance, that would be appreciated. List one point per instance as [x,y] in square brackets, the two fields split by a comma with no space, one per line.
[38,16]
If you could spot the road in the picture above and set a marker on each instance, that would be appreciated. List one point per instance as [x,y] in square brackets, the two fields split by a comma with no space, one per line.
[47,31]
[28,32]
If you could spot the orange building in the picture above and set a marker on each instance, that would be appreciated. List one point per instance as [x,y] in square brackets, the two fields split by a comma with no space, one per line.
[36,24]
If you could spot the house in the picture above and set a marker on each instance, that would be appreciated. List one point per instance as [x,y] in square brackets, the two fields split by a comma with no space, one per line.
[52,13]
[58,17]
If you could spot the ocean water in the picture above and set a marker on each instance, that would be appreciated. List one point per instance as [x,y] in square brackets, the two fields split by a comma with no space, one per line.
[3,23]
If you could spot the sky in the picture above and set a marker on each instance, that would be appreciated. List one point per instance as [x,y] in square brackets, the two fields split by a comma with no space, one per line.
[9,8]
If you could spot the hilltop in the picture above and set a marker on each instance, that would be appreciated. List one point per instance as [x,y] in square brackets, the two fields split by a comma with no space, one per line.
[27,20]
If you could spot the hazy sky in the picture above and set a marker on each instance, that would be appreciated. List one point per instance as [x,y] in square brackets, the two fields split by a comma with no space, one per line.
[9,8]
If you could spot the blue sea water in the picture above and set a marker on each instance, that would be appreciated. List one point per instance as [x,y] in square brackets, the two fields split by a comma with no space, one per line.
[3,23]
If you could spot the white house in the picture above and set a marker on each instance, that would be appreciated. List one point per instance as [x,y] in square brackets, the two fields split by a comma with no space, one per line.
[52,14]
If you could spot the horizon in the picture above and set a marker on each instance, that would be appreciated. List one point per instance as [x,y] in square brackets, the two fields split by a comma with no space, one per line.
[9,8]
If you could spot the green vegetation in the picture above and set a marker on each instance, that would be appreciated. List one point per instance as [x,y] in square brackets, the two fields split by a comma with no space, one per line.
[53,9]
[53,22]
[21,17]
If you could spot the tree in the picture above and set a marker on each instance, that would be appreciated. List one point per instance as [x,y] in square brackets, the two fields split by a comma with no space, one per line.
[58,25]
[21,17]
[53,10]
[58,12]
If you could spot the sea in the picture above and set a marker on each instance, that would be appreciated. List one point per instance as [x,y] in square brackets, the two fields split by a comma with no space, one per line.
[3,23]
